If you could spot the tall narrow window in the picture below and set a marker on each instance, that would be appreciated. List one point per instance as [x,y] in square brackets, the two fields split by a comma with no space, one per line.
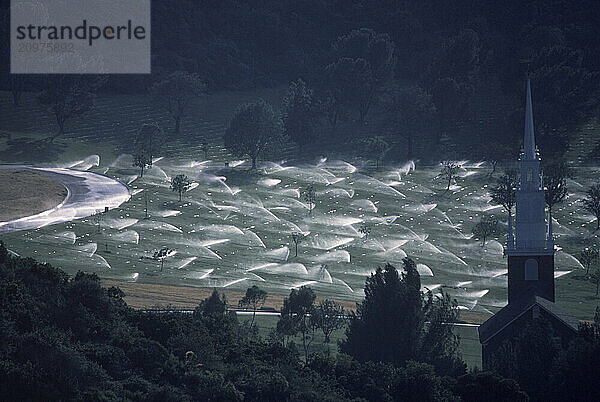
[529,175]
[531,270]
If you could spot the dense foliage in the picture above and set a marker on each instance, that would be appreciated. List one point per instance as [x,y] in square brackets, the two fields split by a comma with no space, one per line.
[254,131]
[547,370]
[397,322]
[68,338]
[459,66]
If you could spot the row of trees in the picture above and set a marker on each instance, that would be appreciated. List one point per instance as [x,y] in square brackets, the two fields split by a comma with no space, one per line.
[68,338]
[69,97]
[461,70]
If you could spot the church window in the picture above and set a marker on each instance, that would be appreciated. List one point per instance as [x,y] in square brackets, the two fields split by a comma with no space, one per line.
[531,270]
[529,175]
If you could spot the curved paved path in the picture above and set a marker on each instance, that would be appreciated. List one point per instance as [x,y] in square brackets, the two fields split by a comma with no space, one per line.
[87,193]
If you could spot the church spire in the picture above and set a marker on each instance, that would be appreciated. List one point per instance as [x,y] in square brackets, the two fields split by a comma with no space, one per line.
[529,141]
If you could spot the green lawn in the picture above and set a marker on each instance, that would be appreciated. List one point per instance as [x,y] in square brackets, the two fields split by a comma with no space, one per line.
[470,348]
[235,232]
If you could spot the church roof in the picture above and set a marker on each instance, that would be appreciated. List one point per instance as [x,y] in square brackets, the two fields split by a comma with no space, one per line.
[516,309]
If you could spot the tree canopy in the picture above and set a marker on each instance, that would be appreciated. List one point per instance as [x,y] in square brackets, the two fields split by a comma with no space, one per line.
[254,130]
[148,141]
[591,202]
[175,92]
[395,309]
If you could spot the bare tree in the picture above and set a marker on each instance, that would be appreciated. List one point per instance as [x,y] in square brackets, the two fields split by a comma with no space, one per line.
[297,238]
[449,172]
[175,92]
[180,183]
[592,202]
[254,297]
[328,316]
[485,228]
[588,257]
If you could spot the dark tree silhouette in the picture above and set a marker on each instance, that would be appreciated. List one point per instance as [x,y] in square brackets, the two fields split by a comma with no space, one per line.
[449,172]
[373,148]
[530,358]
[301,113]
[295,316]
[175,92]
[595,279]
[328,316]
[412,114]
[395,308]
[555,183]
[310,196]
[488,385]
[297,238]
[364,229]
[180,183]
[486,227]
[148,141]
[254,130]
[161,255]
[347,86]
[588,257]
[591,202]
[504,193]
[377,52]
[495,154]
[67,97]
[254,297]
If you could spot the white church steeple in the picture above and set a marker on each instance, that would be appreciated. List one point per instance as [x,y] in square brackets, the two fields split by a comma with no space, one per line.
[529,150]
[530,249]
[530,226]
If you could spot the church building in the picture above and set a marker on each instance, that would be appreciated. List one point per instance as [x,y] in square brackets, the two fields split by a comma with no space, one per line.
[530,251]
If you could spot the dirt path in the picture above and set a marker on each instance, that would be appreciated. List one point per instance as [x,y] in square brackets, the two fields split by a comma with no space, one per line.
[148,296]
[24,192]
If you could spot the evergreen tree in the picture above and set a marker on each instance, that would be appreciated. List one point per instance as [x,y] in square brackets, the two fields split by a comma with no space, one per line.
[395,309]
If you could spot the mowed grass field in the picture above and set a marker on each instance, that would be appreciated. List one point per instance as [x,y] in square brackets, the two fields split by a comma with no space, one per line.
[233,229]
[469,347]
